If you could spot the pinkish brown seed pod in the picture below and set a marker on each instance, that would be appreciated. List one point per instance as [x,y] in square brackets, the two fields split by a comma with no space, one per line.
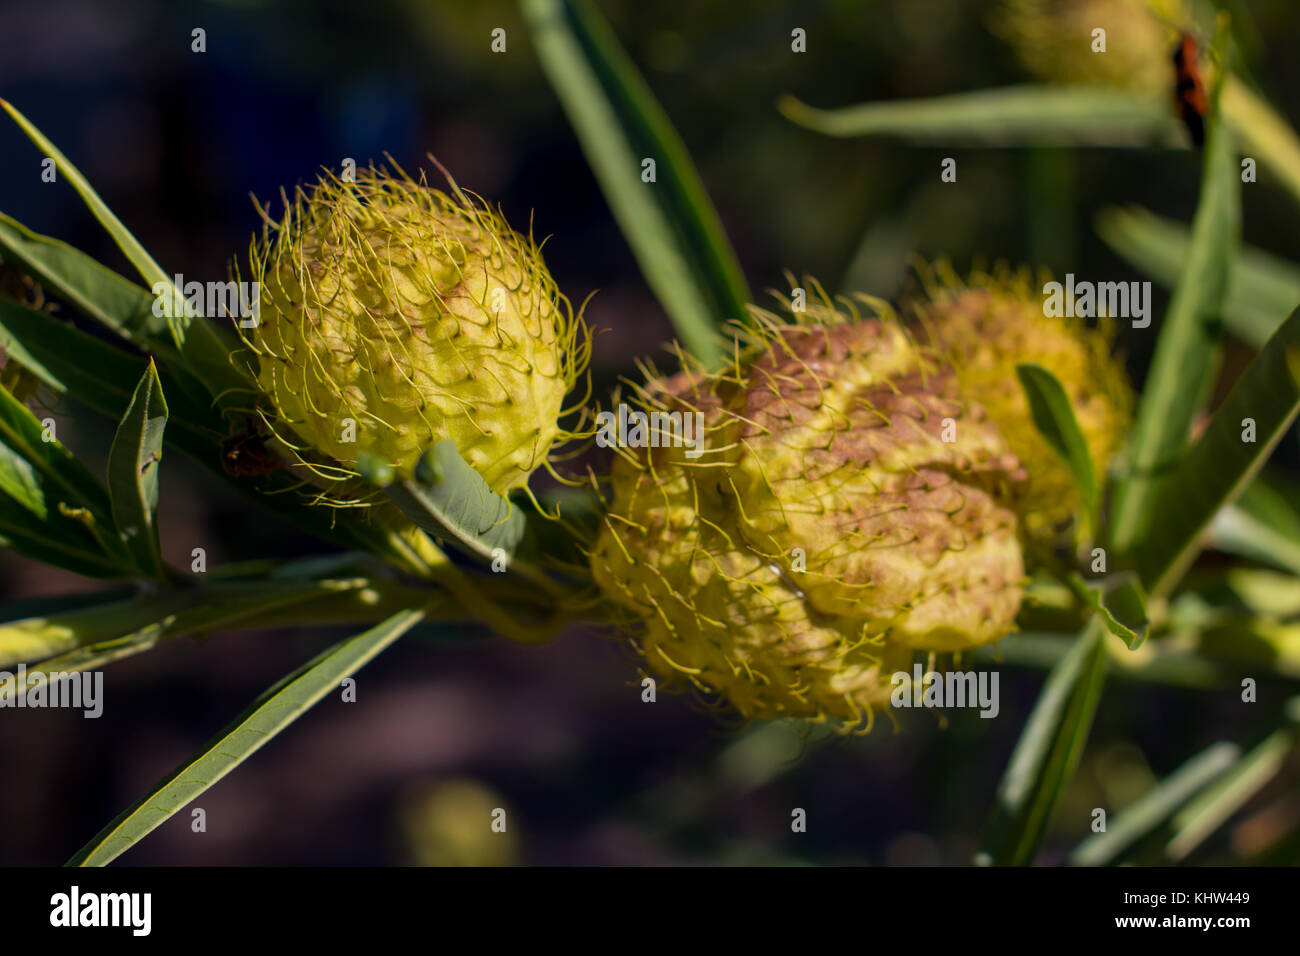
[845,510]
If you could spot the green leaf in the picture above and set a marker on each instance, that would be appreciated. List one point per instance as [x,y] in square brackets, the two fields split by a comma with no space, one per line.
[1119,600]
[1221,464]
[164,614]
[1186,353]
[1154,809]
[1264,132]
[204,350]
[670,224]
[18,480]
[451,501]
[65,477]
[1047,753]
[1263,524]
[1262,288]
[1009,116]
[1055,421]
[1228,794]
[92,289]
[271,713]
[133,473]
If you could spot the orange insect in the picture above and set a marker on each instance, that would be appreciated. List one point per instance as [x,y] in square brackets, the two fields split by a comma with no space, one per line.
[1189,89]
[244,452]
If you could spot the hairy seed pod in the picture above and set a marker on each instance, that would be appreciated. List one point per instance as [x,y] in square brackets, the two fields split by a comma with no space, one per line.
[1055,40]
[987,326]
[842,511]
[393,316]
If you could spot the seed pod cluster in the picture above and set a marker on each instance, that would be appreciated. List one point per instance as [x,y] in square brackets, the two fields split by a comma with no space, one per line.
[847,509]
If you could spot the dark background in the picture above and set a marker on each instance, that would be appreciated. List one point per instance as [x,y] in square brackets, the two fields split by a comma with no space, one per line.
[448,724]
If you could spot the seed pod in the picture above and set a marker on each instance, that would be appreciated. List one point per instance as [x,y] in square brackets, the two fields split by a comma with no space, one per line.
[1055,40]
[393,316]
[992,324]
[825,530]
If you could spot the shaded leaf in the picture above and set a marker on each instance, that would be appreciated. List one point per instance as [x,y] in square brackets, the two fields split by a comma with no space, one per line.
[203,348]
[1262,524]
[1186,353]
[1154,809]
[271,713]
[1263,289]
[451,501]
[670,224]
[1121,604]
[1221,464]
[1009,116]
[133,473]
[1054,418]
[1047,753]
[1228,794]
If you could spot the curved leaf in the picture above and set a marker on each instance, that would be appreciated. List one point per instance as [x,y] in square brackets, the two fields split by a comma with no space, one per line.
[670,223]
[1121,604]
[269,714]
[1010,116]
[450,500]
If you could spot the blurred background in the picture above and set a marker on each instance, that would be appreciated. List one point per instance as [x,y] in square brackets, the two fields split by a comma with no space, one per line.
[449,725]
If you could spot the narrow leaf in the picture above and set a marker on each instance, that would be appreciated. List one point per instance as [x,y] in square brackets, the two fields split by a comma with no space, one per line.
[92,289]
[1047,753]
[1010,116]
[133,472]
[1262,405]
[204,350]
[271,713]
[1186,353]
[1263,524]
[1263,289]
[1055,421]
[1154,809]
[670,223]
[1212,808]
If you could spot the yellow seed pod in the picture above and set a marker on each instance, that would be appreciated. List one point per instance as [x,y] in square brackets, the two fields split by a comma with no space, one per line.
[987,326]
[393,316]
[842,510]
[1055,39]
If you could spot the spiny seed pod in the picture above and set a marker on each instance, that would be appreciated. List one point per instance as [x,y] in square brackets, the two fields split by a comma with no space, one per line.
[1055,39]
[838,508]
[393,316]
[987,326]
